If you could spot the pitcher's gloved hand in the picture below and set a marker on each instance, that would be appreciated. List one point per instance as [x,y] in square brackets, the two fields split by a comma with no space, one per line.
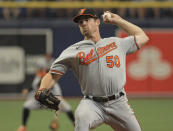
[46,98]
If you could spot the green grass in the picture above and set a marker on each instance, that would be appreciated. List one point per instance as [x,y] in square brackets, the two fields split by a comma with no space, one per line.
[153,115]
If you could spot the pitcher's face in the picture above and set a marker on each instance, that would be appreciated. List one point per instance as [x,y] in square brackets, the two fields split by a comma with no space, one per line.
[88,26]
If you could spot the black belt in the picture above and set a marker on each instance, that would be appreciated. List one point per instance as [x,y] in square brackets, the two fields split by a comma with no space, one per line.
[105,99]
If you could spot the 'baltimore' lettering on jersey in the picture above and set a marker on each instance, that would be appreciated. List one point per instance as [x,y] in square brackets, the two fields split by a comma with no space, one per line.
[86,59]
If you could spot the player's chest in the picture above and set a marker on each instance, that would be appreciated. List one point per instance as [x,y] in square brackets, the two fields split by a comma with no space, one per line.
[88,54]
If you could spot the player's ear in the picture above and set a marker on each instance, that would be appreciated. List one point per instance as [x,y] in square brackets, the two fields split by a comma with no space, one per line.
[98,21]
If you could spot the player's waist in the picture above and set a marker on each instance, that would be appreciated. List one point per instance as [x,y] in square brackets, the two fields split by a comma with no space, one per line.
[105,98]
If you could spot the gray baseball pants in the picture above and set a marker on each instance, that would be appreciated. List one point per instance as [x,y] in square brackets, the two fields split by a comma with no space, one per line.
[116,113]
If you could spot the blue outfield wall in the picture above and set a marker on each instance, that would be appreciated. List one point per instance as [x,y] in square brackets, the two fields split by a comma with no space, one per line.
[66,33]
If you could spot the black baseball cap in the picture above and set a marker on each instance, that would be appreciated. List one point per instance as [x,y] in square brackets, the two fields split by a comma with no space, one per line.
[85,12]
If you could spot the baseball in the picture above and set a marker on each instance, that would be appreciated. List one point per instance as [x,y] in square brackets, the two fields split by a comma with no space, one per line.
[107,14]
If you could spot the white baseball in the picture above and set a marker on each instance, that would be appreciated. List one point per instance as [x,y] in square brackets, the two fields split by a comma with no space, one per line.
[107,14]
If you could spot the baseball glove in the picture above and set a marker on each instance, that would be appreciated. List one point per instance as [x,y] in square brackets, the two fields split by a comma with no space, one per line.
[46,98]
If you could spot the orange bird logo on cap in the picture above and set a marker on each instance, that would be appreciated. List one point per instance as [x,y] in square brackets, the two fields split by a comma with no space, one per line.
[82,11]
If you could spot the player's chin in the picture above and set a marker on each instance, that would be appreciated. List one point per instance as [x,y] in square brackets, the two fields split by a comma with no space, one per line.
[85,33]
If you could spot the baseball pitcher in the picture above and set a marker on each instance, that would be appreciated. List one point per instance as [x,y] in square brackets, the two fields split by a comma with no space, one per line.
[99,65]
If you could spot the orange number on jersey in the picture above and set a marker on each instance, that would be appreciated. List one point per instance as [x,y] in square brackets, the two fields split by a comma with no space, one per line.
[112,62]
[117,61]
[109,61]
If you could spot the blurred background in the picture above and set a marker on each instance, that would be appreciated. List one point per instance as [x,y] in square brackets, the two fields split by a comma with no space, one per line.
[33,29]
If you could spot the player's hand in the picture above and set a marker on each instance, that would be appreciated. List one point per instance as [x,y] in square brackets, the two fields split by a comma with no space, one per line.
[112,19]
[46,98]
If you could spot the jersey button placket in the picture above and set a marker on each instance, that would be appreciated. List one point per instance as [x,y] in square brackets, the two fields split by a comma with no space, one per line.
[98,64]
[100,68]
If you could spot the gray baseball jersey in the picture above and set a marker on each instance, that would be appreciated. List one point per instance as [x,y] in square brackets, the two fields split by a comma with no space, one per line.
[99,68]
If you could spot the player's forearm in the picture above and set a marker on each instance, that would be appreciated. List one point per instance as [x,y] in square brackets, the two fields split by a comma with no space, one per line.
[134,30]
[48,81]
[130,28]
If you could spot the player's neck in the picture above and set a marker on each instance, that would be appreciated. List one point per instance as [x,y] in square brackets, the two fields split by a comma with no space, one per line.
[95,38]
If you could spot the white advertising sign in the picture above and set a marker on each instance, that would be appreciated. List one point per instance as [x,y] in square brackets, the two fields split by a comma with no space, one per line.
[12,65]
